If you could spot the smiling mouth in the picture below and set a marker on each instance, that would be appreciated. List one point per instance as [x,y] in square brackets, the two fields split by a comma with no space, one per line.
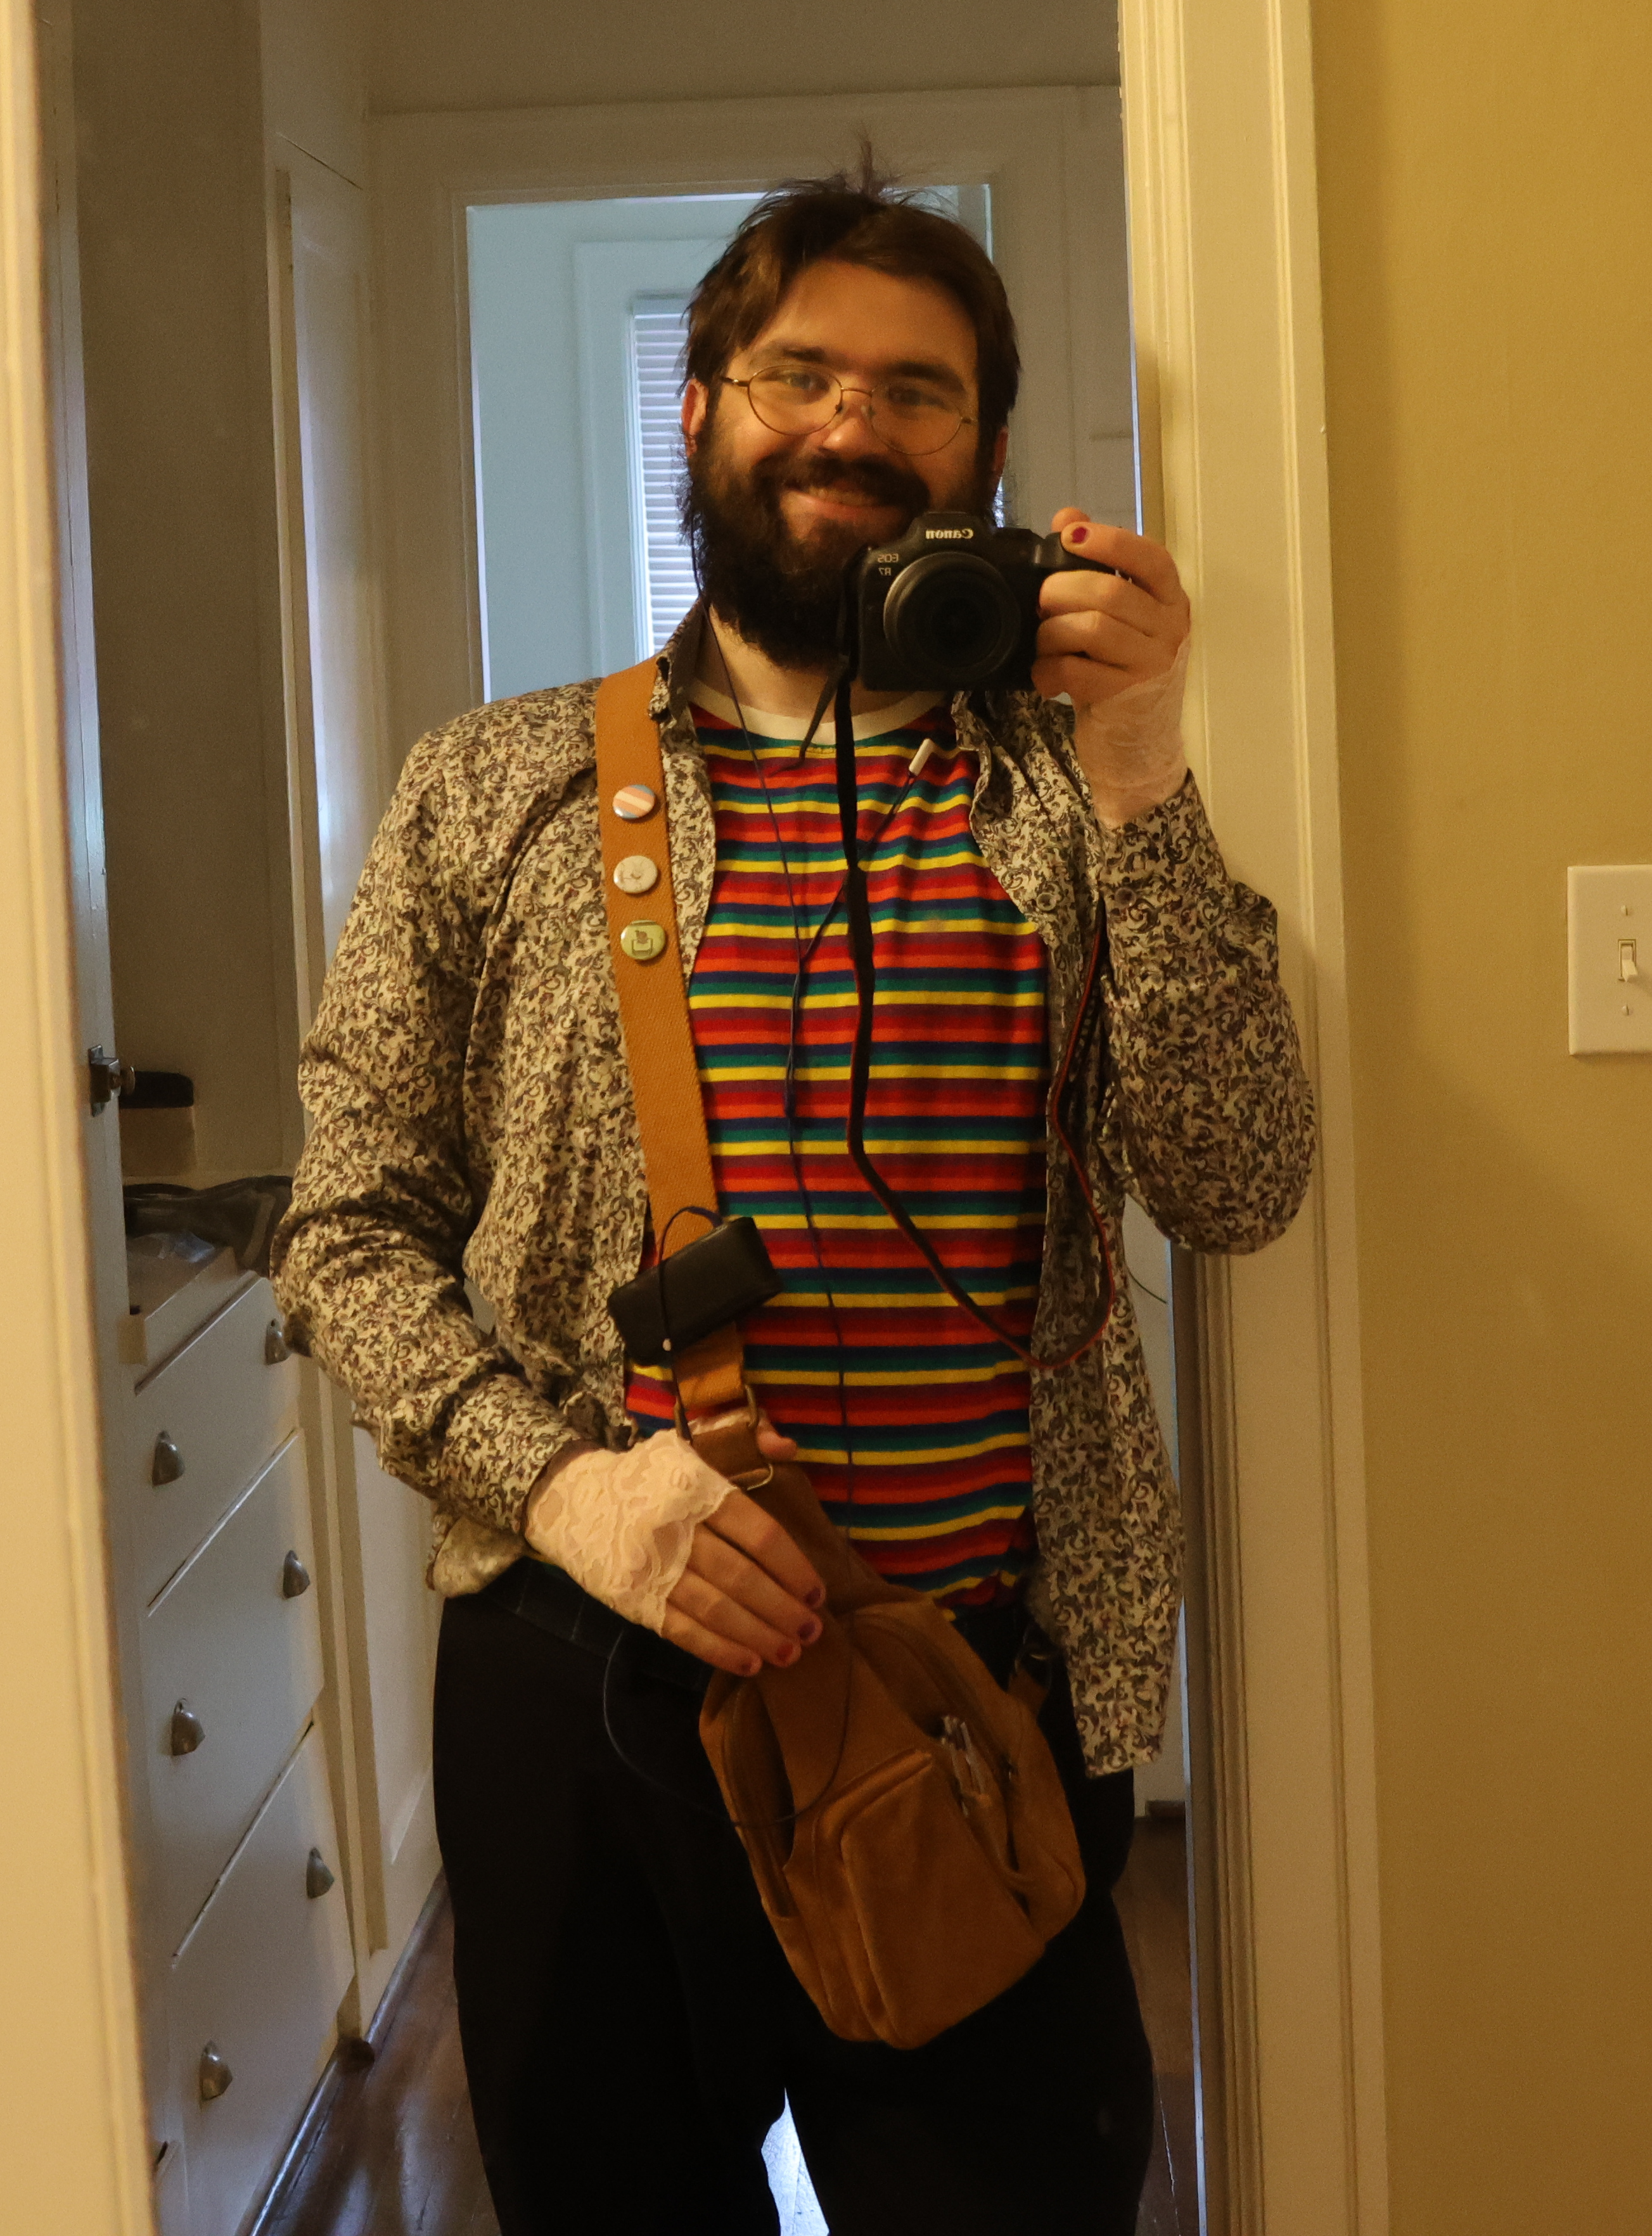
[848,500]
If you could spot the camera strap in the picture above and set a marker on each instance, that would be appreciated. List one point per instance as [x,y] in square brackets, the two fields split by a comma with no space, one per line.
[659,1046]
[857,923]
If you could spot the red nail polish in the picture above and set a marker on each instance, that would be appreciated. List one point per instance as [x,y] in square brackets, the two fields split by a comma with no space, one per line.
[1079,535]
[814,1598]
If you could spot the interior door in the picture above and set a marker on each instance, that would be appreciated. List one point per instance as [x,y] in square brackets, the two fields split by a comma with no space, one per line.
[101,1132]
[374,1535]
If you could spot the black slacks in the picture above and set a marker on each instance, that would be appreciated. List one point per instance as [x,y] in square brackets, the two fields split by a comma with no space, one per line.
[631,2030]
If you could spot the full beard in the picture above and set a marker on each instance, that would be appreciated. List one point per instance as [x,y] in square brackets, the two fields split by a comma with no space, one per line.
[782,593]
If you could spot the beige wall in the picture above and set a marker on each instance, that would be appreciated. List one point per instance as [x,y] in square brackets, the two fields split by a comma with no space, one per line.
[1486,181]
[523,54]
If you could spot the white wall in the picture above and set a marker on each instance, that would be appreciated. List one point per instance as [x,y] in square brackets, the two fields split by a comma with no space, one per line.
[524,54]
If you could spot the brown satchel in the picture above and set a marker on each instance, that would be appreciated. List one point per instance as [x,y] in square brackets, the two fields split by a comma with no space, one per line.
[904,1816]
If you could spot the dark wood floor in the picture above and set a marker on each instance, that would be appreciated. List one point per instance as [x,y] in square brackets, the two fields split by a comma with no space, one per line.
[392,2151]
[1152,1900]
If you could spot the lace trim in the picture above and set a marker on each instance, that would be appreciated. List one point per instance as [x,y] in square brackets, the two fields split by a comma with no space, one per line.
[622,1524]
[1132,743]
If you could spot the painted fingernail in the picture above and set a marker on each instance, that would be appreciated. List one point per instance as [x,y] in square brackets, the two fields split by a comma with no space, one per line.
[787,1654]
[809,1633]
[1079,535]
[814,1598]
[752,1668]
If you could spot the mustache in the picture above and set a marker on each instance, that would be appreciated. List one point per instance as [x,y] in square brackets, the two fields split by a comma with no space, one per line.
[882,479]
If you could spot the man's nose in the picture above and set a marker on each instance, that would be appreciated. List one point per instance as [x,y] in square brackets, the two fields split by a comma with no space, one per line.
[852,433]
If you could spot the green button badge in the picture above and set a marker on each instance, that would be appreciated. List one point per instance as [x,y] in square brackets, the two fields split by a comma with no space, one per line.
[643,941]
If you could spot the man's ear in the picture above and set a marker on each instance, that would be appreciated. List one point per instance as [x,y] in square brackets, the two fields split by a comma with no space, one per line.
[696,401]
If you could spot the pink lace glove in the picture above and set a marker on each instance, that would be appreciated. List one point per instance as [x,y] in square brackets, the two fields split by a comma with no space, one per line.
[623,1523]
[1129,745]
[1116,644]
[665,1541]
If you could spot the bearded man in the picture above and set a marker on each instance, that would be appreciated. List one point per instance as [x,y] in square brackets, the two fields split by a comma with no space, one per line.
[631,2031]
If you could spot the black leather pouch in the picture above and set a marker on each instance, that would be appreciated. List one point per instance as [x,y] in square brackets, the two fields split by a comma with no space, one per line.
[697,1289]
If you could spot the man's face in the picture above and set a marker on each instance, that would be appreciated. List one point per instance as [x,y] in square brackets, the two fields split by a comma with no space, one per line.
[775,518]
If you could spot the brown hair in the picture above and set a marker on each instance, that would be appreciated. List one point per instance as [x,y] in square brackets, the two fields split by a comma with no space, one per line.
[859,218]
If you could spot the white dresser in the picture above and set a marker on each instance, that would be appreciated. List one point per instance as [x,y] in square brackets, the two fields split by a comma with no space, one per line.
[244,1910]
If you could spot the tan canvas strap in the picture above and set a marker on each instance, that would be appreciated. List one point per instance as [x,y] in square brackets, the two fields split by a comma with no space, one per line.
[641,901]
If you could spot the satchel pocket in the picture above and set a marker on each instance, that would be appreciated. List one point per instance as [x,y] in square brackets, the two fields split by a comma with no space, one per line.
[935,1931]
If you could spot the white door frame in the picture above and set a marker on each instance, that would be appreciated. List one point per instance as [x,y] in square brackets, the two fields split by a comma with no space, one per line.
[72,2118]
[1224,264]
[1224,259]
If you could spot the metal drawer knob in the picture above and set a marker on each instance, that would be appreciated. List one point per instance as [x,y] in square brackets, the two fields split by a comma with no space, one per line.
[317,1877]
[168,1464]
[295,1578]
[275,1345]
[214,2075]
[184,1734]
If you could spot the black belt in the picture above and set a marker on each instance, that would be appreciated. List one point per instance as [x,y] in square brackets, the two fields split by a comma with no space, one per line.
[549,1598]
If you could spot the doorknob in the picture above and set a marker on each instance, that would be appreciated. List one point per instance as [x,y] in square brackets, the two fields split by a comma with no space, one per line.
[107,1076]
[168,1464]
[295,1578]
[276,1347]
[317,1877]
[185,1731]
[214,2075]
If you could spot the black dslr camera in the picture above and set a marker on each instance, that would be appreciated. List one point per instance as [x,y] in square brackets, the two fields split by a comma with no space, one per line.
[953,605]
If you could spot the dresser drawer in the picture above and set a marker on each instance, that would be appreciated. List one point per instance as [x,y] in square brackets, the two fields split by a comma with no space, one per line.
[232,1666]
[255,1990]
[221,1405]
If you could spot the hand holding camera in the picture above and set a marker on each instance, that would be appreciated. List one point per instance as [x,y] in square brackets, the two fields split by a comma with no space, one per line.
[1093,611]
[1117,645]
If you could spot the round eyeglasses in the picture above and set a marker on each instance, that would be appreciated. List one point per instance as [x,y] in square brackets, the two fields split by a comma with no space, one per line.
[910,416]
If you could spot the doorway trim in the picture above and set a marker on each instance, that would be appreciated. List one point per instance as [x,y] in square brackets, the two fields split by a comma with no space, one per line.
[1223,228]
[1225,274]
[72,2118]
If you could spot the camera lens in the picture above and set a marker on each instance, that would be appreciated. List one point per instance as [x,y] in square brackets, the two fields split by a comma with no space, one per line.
[951,619]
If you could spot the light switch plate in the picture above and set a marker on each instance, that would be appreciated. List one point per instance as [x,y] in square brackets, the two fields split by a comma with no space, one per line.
[1609,936]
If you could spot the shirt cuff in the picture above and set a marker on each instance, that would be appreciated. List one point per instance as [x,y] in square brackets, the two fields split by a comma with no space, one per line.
[498,1444]
[1158,867]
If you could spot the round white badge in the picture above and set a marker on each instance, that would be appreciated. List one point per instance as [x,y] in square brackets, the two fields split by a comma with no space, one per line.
[636,874]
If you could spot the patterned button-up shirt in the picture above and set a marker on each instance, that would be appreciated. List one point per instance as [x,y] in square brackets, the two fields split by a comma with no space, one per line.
[471,1118]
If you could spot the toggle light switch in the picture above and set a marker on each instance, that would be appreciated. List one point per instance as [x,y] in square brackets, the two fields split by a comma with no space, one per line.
[1609,918]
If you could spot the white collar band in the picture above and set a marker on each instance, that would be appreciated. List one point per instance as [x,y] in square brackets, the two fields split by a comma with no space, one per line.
[784,727]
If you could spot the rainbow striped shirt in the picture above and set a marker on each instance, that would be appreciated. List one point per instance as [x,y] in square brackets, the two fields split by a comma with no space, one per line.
[912,1419]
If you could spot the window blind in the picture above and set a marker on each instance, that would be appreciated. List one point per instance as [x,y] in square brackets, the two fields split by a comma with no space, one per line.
[659,328]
